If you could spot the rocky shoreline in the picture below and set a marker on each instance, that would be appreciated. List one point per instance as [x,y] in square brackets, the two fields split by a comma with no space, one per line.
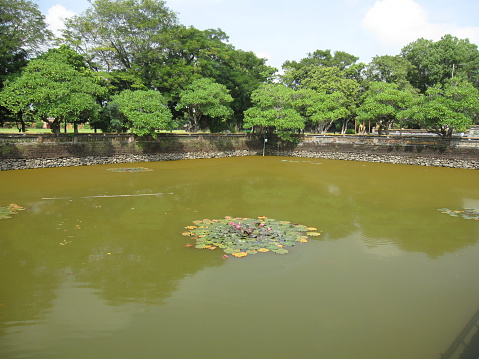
[394,159]
[15,163]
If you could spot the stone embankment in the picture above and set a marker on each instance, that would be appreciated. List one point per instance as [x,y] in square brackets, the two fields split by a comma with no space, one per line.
[14,164]
[30,151]
[21,163]
[394,159]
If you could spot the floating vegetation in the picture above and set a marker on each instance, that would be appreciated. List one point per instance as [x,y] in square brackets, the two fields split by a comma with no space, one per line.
[6,212]
[466,213]
[240,237]
[130,169]
[310,162]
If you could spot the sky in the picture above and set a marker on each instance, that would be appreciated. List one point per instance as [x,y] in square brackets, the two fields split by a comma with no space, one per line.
[282,30]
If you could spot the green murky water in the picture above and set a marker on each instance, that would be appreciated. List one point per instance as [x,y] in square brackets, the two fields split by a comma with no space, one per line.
[96,267]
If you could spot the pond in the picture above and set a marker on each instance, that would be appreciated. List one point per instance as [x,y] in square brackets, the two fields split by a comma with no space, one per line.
[97,267]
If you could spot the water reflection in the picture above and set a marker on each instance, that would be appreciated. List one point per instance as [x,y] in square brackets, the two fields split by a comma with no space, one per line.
[74,312]
[99,255]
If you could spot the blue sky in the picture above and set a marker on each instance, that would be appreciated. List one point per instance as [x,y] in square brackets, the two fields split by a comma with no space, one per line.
[281,30]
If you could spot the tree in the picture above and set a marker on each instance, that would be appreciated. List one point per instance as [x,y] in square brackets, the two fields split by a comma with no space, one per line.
[383,103]
[121,34]
[242,72]
[66,54]
[204,100]
[296,72]
[321,108]
[138,44]
[275,110]
[390,69]
[22,32]
[446,108]
[336,89]
[52,91]
[144,112]
[437,62]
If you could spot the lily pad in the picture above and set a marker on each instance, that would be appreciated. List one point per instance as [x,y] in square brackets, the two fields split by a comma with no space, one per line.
[243,236]
[6,212]
[466,213]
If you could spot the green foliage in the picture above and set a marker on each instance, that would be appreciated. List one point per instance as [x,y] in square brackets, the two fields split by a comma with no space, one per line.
[319,70]
[321,108]
[383,103]
[22,28]
[297,72]
[436,62]
[466,213]
[337,81]
[144,111]
[67,55]
[274,109]
[22,31]
[121,34]
[6,212]
[242,236]
[390,69]
[446,108]
[139,45]
[54,91]
[202,100]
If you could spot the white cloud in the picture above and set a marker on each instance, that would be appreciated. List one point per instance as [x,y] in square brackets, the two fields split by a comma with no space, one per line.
[55,17]
[396,23]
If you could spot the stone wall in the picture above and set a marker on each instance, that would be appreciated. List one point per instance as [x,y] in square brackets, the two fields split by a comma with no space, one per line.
[424,151]
[34,151]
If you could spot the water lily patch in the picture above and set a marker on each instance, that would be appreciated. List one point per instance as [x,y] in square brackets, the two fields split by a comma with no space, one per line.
[240,237]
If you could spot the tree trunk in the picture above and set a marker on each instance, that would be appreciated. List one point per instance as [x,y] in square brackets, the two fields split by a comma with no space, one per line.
[345,126]
[195,117]
[55,125]
[21,124]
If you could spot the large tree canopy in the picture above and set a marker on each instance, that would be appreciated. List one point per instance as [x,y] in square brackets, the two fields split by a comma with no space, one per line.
[139,44]
[436,62]
[144,111]
[54,91]
[296,72]
[203,101]
[275,109]
[391,69]
[22,26]
[383,103]
[321,109]
[446,108]
[121,34]
[336,86]
[22,32]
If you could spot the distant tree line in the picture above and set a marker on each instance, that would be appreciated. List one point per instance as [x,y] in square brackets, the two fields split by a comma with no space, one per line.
[128,65]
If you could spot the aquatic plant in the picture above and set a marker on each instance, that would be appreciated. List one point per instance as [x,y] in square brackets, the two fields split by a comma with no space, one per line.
[466,213]
[6,212]
[130,169]
[240,237]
